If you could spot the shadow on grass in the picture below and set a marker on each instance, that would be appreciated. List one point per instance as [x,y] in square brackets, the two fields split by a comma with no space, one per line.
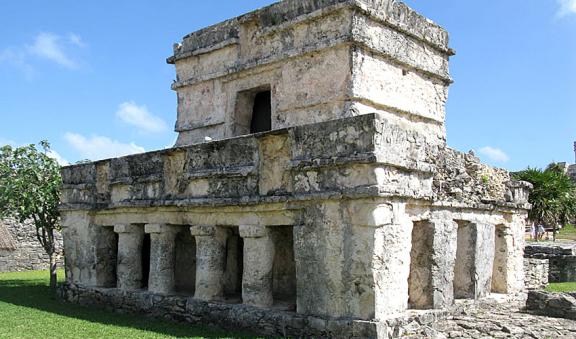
[37,295]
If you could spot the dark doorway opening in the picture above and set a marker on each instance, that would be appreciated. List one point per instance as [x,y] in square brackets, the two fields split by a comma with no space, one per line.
[106,257]
[261,113]
[284,270]
[145,260]
[185,263]
[234,266]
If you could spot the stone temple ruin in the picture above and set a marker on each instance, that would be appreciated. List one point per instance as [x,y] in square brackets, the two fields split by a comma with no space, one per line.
[310,192]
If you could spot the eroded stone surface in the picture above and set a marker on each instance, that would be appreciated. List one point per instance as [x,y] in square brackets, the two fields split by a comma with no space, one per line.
[537,271]
[339,221]
[500,321]
[20,249]
[561,257]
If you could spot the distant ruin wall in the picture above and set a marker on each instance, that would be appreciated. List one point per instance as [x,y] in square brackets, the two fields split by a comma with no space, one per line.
[561,256]
[572,172]
[20,249]
[536,273]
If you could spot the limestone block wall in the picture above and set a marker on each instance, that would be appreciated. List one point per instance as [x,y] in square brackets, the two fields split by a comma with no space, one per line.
[334,219]
[21,250]
[536,273]
[320,61]
[561,258]
[347,211]
[572,172]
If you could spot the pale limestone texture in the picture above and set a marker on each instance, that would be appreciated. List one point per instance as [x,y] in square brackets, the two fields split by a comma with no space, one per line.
[321,61]
[20,249]
[345,218]
[537,271]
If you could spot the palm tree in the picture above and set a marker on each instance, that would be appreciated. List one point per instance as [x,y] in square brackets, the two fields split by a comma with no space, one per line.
[553,198]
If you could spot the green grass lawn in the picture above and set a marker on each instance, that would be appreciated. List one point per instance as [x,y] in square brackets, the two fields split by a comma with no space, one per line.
[30,309]
[562,287]
[568,232]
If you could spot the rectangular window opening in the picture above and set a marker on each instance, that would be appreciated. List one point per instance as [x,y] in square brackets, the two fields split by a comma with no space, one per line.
[261,112]
[253,112]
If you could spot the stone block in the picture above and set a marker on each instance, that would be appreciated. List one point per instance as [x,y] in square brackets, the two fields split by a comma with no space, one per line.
[160,228]
[128,228]
[253,231]
[203,230]
[353,94]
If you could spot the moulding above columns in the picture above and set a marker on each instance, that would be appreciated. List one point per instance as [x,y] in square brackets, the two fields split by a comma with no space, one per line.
[128,228]
[253,231]
[160,228]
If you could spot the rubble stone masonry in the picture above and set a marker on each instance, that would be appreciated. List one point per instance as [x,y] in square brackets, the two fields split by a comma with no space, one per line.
[310,191]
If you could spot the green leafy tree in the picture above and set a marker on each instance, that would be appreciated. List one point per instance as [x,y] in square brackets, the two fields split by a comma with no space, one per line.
[30,190]
[553,197]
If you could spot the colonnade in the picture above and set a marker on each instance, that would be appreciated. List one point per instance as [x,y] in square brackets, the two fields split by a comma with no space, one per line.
[454,259]
[211,259]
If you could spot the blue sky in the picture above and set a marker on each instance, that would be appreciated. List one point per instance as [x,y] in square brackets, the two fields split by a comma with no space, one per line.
[91,77]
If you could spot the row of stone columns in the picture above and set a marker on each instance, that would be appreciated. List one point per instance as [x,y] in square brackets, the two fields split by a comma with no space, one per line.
[258,261]
[451,260]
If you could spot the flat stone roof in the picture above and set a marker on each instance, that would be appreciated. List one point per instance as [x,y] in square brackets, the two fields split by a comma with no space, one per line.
[391,12]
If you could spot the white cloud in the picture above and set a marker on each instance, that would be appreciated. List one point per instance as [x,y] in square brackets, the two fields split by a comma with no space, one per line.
[138,116]
[76,40]
[100,147]
[56,156]
[16,58]
[567,7]
[494,154]
[50,46]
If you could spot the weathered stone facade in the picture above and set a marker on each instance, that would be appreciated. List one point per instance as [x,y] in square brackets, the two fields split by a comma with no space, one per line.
[327,194]
[572,172]
[536,272]
[569,169]
[20,249]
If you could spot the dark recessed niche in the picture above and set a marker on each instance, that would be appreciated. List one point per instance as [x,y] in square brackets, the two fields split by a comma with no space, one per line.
[261,113]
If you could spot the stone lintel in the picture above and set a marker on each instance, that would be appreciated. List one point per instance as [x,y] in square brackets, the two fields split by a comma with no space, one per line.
[160,228]
[128,228]
[371,214]
[253,231]
[203,231]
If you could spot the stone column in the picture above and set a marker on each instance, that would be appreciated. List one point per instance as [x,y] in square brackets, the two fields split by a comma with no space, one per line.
[443,258]
[484,259]
[515,257]
[210,261]
[162,257]
[474,260]
[258,263]
[129,269]
[501,252]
